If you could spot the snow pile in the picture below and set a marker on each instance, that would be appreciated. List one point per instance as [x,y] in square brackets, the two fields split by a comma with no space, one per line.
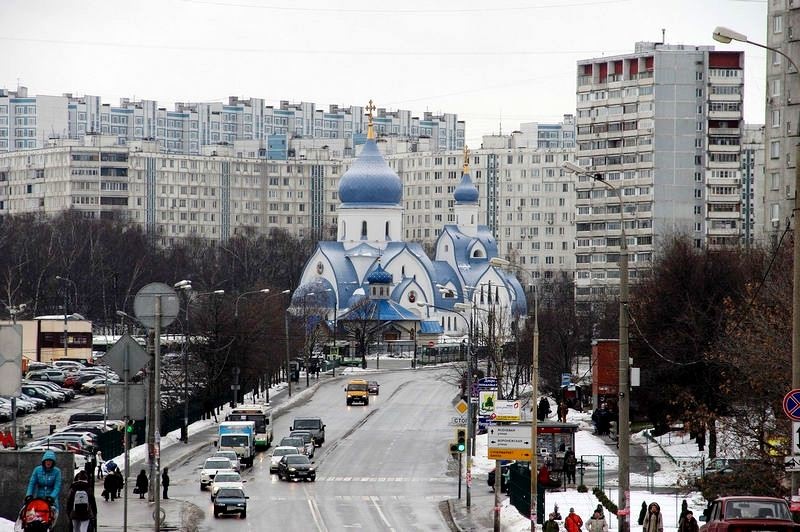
[356,370]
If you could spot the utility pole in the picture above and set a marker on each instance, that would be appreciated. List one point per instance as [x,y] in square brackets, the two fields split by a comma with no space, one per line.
[534,419]
[796,299]
[288,368]
[624,429]
[157,413]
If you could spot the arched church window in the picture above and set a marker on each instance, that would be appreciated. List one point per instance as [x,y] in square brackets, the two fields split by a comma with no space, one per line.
[477,254]
[472,219]
[412,297]
[344,228]
[403,270]
[446,248]
[387,231]
[364,229]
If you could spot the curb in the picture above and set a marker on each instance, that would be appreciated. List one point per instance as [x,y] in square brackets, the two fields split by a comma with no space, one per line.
[448,516]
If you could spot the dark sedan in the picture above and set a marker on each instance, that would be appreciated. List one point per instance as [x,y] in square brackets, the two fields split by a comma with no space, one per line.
[230,501]
[296,466]
[373,387]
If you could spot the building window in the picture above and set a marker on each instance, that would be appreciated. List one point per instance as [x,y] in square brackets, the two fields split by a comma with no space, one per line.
[776,118]
[775,149]
[364,229]
[777,24]
[776,58]
[776,87]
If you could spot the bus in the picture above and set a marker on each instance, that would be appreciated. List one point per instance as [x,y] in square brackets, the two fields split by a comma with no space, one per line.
[261,415]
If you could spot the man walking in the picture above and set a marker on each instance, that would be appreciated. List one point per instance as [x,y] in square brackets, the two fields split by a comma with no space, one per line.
[165,483]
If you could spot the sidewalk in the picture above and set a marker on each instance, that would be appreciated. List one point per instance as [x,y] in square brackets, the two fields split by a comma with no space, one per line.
[181,515]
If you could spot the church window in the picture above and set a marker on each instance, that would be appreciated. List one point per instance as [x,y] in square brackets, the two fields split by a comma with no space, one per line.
[477,254]
[412,296]
[364,229]
[403,270]
[472,219]
[446,248]
[387,231]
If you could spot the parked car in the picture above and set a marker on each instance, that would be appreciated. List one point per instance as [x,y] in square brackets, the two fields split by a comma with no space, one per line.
[232,456]
[373,387]
[51,375]
[226,479]
[21,411]
[38,403]
[729,514]
[308,440]
[48,397]
[230,500]
[81,417]
[210,469]
[70,394]
[277,454]
[68,365]
[49,388]
[296,466]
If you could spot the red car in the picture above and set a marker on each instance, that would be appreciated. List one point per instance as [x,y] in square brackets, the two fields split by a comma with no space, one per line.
[748,514]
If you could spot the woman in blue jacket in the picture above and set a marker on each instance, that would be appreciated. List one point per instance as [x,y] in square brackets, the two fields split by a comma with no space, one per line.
[45,480]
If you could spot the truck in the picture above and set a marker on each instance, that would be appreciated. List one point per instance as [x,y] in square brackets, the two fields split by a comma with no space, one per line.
[357,392]
[261,415]
[239,437]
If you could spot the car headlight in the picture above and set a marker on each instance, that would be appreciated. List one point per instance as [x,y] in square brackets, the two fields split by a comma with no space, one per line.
[292,469]
[310,469]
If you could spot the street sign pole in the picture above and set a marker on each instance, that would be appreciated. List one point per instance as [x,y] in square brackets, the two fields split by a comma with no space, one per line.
[126,375]
[460,471]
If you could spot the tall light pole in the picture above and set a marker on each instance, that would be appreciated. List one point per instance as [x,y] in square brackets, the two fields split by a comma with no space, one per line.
[66,298]
[186,287]
[725,36]
[305,334]
[623,429]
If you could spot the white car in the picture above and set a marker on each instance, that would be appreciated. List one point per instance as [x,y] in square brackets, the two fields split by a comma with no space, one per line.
[277,454]
[226,479]
[230,455]
[210,468]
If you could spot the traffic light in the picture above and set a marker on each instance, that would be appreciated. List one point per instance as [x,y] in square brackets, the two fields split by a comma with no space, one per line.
[453,448]
[461,440]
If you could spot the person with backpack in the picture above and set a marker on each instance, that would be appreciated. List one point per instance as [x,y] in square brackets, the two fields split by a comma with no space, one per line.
[45,481]
[81,505]
[573,522]
[142,484]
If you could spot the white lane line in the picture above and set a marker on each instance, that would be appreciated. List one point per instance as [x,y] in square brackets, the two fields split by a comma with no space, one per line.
[315,513]
[380,513]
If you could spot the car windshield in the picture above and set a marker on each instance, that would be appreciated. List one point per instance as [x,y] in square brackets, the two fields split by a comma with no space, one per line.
[282,452]
[756,509]
[356,387]
[227,477]
[233,440]
[295,460]
[228,454]
[231,492]
[305,435]
[306,423]
[293,442]
[218,464]
[373,383]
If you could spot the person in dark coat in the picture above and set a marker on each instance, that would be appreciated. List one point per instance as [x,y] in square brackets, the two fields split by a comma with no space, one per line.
[563,410]
[543,409]
[688,523]
[109,487]
[570,464]
[81,505]
[142,484]
[165,483]
[119,482]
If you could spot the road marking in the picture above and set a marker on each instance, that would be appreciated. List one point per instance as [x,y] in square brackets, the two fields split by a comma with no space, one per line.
[380,513]
[315,513]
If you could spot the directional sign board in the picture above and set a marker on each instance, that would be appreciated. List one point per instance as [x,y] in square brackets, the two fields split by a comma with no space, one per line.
[791,405]
[509,442]
[795,437]
[506,410]
[487,383]
[10,360]
[792,464]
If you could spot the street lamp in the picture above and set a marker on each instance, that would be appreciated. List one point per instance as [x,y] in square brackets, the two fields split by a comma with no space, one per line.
[66,298]
[236,304]
[624,384]
[186,287]
[305,333]
[725,36]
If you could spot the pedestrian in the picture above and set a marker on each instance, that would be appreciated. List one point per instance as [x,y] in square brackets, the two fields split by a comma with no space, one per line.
[550,525]
[45,481]
[688,523]
[653,521]
[109,485]
[563,410]
[8,440]
[573,522]
[81,506]
[597,523]
[165,483]
[99,458]
[142,484]
[119,482]
[543,409]
[570,464]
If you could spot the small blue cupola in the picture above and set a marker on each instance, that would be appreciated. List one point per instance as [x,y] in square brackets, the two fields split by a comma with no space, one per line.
[380,283]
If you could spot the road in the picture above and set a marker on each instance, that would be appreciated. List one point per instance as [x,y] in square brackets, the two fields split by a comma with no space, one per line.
[382,467]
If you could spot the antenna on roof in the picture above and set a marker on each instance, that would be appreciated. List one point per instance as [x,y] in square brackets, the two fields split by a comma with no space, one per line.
[663,35]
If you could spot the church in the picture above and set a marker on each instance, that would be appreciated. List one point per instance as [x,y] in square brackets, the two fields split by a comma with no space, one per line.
[369,273]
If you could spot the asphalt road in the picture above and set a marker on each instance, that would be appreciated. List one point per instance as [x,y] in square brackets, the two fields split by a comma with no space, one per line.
[382,467]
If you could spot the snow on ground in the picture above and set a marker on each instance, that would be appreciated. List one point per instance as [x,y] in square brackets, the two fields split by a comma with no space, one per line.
[356,370]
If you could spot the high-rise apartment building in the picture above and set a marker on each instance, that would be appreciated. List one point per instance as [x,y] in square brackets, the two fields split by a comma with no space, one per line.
[30,122]
[782,122]
[663,125]
[753,185]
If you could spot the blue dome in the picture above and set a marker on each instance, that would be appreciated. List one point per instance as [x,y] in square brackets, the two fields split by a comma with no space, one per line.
[370,181]
[379,276]
[466,192]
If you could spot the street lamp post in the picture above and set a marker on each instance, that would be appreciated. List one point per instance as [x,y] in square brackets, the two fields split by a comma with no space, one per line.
[66,298]
[186,287]
[305,333]
[623,429]
[725,36]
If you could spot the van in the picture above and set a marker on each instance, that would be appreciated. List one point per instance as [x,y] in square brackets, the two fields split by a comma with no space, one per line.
[357,391]
[81,417]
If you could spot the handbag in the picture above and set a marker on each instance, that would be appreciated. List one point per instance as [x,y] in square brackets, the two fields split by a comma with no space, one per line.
[135,490]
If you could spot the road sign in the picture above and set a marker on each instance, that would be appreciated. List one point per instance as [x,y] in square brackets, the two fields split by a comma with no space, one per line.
[10,360]
[458,421]
[506,410]
[795,437]
[430,344]
[144,304]
[137,395]
[510,436]
[509,454]
[791,464]
[487,383]
[791,405]
[126,346]
[486,402]
[461,406]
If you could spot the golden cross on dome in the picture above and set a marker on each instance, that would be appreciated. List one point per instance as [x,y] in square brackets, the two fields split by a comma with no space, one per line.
[370,130]
[466,159]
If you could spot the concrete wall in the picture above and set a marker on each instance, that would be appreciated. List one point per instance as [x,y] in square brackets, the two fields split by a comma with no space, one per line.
[17,467]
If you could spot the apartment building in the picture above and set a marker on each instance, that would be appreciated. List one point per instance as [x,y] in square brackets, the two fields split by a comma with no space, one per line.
[663,125]
[782,125]
[29,122]
[753,186]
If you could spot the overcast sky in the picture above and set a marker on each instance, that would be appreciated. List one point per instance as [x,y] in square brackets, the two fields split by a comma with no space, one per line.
[489,61]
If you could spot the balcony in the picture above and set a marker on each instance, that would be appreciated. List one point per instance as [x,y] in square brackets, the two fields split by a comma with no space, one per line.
[725,115]
[724,148]
[724,131]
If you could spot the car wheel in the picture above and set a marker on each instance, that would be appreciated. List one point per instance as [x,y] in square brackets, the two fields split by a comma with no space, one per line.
[244,514]
[91,391]
[202,488]
[216,514]
[313,479]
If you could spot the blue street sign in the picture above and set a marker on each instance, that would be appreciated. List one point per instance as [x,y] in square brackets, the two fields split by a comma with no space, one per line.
[487,383]
[566,380]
